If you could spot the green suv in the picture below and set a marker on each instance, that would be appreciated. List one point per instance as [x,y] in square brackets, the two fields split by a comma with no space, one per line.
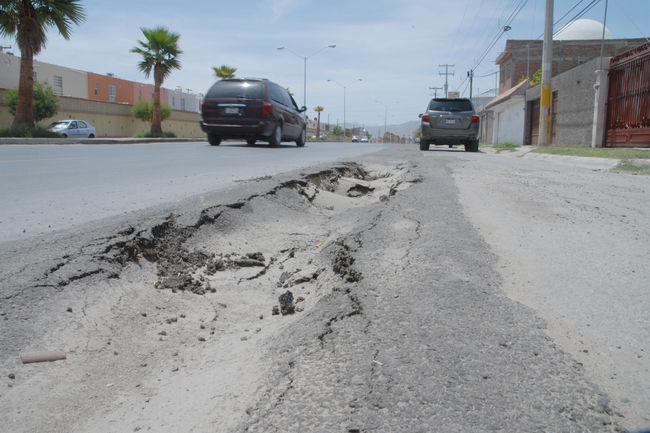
[450,122]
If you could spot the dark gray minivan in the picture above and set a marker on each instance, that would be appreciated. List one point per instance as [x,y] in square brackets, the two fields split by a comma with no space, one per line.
[251,109]
[450,121]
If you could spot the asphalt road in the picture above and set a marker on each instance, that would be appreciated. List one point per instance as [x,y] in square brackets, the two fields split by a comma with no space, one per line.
[44,188]
[433,291]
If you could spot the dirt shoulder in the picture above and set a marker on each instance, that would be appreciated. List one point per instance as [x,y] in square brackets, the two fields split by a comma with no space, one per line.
[573,240]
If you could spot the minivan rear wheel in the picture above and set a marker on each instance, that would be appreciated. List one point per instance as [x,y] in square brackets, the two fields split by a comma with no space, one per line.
[276,137]
[214,140]
[424,145]
[250,141]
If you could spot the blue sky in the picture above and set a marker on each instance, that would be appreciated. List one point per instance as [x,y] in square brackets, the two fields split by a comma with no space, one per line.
[394,46]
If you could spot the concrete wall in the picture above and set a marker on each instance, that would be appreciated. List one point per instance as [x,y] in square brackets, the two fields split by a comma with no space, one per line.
[509,121]
[112,119]
[575,103]
[75,83]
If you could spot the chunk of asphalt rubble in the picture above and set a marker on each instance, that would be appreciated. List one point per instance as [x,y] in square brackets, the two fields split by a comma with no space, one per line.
[249,260]
[286,303]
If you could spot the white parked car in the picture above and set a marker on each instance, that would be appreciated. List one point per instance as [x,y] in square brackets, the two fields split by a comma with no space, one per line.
[73,128]
[364,139]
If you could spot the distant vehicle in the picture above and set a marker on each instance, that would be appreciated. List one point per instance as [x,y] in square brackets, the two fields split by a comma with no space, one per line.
[450,122]
[323,136]
[73,128]
[251,109]
[364,139]
[355,139]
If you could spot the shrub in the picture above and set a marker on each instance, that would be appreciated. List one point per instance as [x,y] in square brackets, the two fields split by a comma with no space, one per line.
[45,101]
[164,134]
[27,132]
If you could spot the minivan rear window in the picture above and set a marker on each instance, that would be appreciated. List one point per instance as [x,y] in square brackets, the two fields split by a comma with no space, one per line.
[236,89]
[450,105]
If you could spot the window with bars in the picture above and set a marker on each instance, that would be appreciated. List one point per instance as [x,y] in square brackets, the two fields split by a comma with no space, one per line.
[112,93]
[57,82]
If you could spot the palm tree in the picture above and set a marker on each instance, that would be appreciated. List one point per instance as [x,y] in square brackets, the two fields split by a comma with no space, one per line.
[224,71]
[160,54]
[318,110]
[28,21]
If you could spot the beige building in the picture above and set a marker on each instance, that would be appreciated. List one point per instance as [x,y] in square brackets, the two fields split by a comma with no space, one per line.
[64,81]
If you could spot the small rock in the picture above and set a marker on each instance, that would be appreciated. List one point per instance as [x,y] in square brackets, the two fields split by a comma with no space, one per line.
[244,338]
[286,303]
[202,339]
[162,333]
[69,310]
[261,316]
[144,314]
[11,376]
[276,310]
[175,369]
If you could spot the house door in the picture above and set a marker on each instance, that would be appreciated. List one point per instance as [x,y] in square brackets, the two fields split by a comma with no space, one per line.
[533,122]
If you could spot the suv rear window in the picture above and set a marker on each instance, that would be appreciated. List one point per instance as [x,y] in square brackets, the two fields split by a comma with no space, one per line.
[236,89]
[450,105]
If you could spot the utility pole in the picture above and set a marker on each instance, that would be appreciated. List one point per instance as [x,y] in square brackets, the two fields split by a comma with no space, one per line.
[446,74]
[547,71]
[470,74]
[435,91]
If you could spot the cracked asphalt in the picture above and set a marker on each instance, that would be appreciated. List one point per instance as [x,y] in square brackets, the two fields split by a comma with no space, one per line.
[349,297]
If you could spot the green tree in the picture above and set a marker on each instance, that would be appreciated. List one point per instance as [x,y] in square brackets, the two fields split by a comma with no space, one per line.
[537,78]
[224,71]
[45,102]
[143,110]
[337,130]
[160,55]
[318,110]
[28,21]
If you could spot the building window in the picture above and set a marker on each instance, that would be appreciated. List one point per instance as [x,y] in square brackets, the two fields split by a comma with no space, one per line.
[140,95]
[96,89]
[35,77]
[112,93]
[57,82]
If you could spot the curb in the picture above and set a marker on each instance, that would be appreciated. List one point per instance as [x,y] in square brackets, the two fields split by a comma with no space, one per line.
[62,141]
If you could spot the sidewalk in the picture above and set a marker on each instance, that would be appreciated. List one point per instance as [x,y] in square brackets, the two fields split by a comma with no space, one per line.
[590,162]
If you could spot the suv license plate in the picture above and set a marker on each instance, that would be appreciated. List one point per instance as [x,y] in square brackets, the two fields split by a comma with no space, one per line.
[232,110]
[450,121]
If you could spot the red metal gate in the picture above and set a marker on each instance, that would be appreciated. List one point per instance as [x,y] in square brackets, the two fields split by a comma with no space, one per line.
[628,104]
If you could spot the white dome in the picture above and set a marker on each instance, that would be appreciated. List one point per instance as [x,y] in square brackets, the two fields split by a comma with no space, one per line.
[582,29]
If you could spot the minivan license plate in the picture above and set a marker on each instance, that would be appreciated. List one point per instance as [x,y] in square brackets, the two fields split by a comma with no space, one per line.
[232,110]
[450,121]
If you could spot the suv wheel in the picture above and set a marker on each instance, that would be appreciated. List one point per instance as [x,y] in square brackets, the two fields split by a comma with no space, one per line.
[276,137]
[472,146]
[250,141]
[300,141]
[214,140]
[424,145]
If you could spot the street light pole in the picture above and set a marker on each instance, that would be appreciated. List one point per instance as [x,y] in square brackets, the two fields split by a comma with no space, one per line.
[345,87]
[304,58]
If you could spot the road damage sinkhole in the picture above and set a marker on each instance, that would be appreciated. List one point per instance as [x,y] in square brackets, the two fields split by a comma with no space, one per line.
[300,248]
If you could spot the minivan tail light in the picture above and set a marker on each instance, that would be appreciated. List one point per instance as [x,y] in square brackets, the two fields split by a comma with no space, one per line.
[475,119]
[426,118]
[202,106]
[267,108]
